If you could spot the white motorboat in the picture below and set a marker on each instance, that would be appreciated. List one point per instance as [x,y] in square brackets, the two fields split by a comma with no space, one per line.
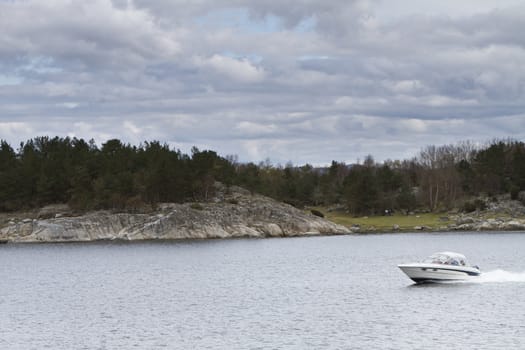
[443,266]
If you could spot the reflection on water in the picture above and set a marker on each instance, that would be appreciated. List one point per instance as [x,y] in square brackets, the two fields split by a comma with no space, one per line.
[451,284]
[302,293]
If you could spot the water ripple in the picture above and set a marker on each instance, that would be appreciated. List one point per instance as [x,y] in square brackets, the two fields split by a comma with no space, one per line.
[305,293]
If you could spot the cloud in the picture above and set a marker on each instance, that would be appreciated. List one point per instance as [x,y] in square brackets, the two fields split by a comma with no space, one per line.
[305,81]
[240,70]
[251,128]
[7,128]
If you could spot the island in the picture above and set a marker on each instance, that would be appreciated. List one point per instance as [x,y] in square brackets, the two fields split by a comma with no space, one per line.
[232,213]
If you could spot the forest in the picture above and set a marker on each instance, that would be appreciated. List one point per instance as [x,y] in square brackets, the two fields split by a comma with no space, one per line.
[119,176]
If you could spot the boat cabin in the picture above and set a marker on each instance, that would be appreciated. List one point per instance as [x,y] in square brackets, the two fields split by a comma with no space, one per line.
[447,258]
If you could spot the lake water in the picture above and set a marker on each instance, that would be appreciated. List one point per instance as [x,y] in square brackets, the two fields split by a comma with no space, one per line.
[340,292]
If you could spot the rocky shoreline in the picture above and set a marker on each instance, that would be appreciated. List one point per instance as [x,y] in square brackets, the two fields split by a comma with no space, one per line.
[503,214]
[472,223]
[469,223]
[233,213]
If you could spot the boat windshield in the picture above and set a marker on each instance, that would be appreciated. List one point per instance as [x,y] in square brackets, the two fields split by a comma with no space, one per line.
[447,259]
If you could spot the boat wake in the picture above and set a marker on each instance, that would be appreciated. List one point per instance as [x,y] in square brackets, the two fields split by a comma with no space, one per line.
[499,276]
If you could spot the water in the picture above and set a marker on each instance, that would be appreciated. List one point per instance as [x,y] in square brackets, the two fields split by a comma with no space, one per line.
[342,292]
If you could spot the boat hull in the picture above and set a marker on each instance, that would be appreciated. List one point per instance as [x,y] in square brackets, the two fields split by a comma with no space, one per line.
[424,273]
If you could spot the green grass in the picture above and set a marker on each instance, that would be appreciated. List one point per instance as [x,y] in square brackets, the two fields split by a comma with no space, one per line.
[386,223]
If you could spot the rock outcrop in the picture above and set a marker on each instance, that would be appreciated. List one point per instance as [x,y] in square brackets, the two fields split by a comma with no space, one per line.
[235,213]
[500,214]
[487,224]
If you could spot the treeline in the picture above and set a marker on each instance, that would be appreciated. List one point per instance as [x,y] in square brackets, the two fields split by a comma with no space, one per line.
[438,178]
[120,176]
[115,176]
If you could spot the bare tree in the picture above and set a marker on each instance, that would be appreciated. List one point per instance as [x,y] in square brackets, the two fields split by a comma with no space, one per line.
[438,176]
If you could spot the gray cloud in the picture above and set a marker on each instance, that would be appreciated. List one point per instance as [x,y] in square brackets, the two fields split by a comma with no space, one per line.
[306,81]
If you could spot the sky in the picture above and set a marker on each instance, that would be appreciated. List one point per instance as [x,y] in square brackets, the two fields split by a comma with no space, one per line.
[302,81]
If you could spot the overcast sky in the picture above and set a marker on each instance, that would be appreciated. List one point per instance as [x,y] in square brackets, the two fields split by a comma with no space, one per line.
[304,81]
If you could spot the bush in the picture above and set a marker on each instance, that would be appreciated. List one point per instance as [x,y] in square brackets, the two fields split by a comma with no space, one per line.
[521,197]
[294,203]
[477,204]
[469,207]
[196,206]
[480,204]
[514,192]
[317,213]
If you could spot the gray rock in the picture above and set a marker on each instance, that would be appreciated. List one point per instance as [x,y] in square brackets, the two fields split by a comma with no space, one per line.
[253,216]
[464,220]
[488,226]
[54,210]
[466,227]
[514,225]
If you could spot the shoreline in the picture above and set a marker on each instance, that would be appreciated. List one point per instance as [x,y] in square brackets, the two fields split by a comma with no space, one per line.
[489,220]
[236,214]
[203,239]
[233,214]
